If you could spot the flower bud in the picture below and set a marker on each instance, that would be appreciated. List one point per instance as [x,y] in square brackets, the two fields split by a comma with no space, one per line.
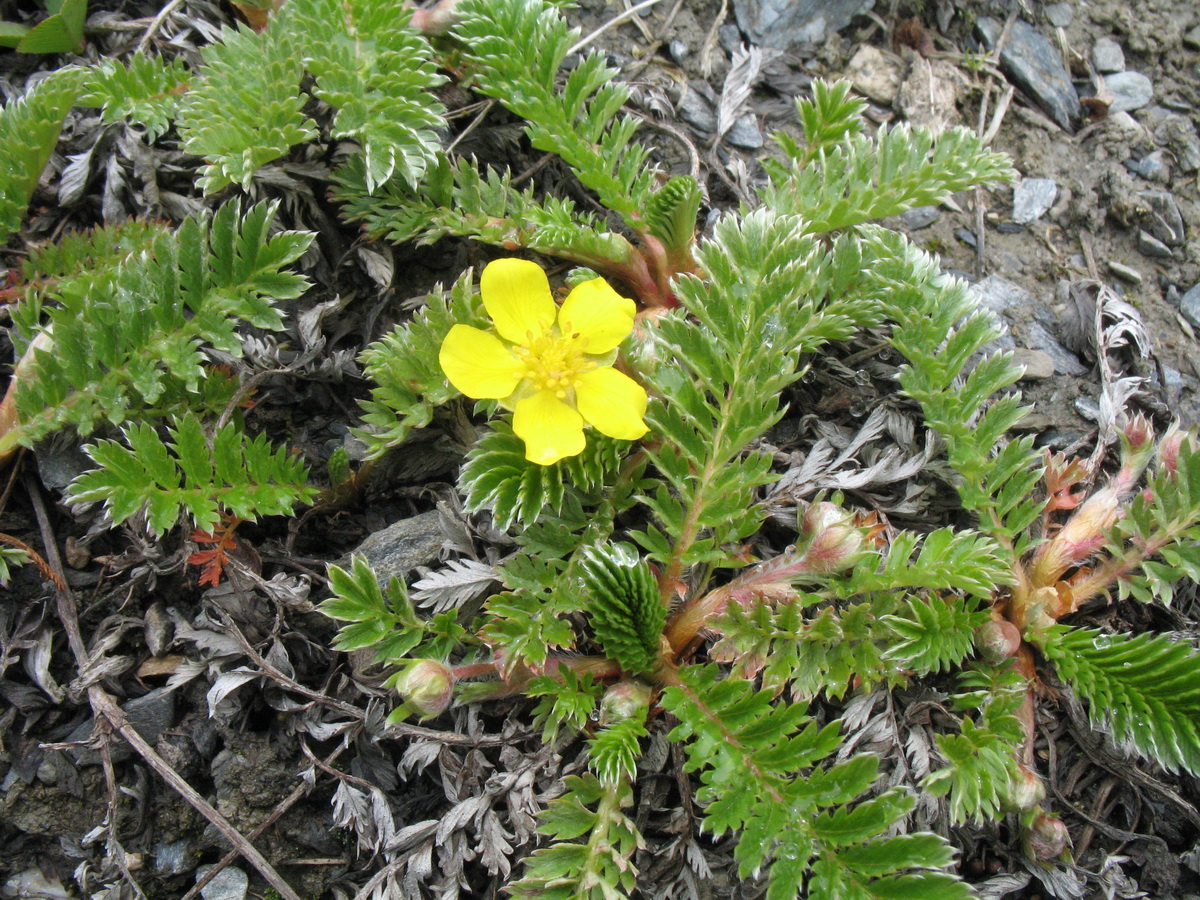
[1137,447]
[1083,535]
[624,700]
[1047,837]
[427,687]
[830,541]
[1169,447]
[1027,789]
[997,640]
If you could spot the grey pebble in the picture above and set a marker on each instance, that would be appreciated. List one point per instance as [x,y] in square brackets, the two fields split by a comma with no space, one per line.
[697,111]
[782,23]
[150,715]
[1001,295]
[1034,65]
[1191,38]
[174,857]
[745,132]
[1039,337]
[1189,306]
[1038,365]
[677,50]
[1032,198]
[1059,14]
[1126,273]
[1107,56]
[402,546]
[1130,90]
[231,883]
[967,236]
[1162,218]
[920,217]
[1152,166]
[1088,408]
[730,37]
[1152,246]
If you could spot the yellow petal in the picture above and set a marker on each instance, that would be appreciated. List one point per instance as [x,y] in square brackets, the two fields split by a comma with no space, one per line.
[612,402]
[516,294]
[549,428]
[598,314]
[478,364]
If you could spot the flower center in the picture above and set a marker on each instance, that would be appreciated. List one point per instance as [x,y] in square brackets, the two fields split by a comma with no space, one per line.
[554,362]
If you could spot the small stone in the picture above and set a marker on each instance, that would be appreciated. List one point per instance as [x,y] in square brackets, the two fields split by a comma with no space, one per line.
[967,236]
[1034,65]
[1128,274]
[402,546]
[782,23]
[1032,198]
[1191,38]
[1162,217]
[875,75]
[150,715]
[173,858]
[697,111]
[1189,305]
[920,217]
[1059,14]
[1152,246]
[1107,56]
[730,38]
[1001,295]
[230,883]
[1065,362]
[1125,125]
[1038,365]
[745,133]
[1152,166]
[1088,408]
[677,50]
[1130,90]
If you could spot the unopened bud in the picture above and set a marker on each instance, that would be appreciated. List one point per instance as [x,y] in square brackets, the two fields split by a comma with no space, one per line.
[1168,449]
[1027,789]
[997,640]
[1047,837]
[625,700]
[1137,447]
[427,687]
[1082,536]
[831,543]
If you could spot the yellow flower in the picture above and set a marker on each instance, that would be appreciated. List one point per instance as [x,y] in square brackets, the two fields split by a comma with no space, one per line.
[551,366]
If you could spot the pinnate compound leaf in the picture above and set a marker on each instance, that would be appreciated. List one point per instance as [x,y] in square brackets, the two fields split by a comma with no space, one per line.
[764,768]
[29,130]
[624,602]
[1143,688]
[249,478]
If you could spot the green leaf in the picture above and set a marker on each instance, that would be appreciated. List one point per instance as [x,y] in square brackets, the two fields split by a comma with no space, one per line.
[627,612]
[756,755]
[60,33]
[144,90]
[29,130]
[136,323]
[1144,689]
[246,479]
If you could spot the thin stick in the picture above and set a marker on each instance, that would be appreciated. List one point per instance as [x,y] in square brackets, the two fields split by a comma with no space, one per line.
[611,23]
[104,706]
[280,808]
[157,24]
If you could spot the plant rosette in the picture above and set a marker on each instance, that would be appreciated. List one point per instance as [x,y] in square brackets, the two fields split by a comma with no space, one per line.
[552,366]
